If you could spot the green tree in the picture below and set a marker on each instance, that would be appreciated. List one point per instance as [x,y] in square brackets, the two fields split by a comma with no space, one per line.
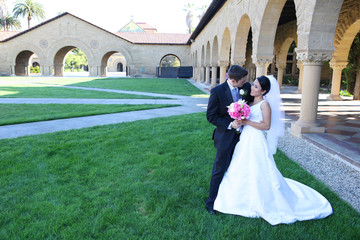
[170,61]
[29,9]
[75,60]
[352,71]
[10,22]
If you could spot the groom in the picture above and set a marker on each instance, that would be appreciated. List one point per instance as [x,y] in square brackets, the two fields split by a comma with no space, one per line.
[225,136]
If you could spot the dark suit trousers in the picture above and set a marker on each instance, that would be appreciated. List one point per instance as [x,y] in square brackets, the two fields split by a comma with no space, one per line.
[221,164]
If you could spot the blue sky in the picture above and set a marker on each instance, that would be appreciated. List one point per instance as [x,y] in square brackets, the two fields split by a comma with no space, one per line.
[167,16]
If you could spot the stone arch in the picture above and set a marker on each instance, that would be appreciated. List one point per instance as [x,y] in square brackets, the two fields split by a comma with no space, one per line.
[263,39]
[207,54]
[215,52]
[21,59]
[225,46]
[59,50]
[316,30]
[22,62]
[170,54]
[242,32]
[347,27]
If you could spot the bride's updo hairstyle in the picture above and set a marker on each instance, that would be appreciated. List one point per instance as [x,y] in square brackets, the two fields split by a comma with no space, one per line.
[264,83]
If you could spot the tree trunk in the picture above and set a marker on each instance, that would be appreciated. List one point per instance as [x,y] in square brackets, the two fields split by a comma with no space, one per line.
[29,19]
[357,85]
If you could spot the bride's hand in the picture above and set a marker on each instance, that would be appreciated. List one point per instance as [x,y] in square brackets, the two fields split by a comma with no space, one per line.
[242,121]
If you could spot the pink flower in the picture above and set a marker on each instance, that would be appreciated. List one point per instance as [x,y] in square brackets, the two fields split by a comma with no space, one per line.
[239,110]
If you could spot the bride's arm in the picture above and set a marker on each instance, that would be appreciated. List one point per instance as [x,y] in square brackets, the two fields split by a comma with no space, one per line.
[266,114]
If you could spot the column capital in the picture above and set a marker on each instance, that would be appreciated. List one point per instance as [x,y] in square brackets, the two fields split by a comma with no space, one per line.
[313,56]
[223,63]
[338,65]
[238,61]
[262,60]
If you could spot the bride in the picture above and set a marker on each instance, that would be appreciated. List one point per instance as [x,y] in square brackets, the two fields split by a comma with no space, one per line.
[253,186]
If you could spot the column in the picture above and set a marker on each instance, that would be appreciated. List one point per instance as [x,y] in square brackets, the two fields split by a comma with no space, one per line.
[202,73]
[103,70]
[213,75]
[301,74]
[280,75]
[12,70]
[261,64]
[207,74]
[46,70]
[336,80]
[58,70]
[223,65]
[199,74]
[312,64]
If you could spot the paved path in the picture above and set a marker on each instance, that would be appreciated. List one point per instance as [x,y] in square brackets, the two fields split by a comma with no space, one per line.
[188,105]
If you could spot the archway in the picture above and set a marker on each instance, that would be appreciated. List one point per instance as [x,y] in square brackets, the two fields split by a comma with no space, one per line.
[114,64]
[170,60]
[23,63]
[71,59]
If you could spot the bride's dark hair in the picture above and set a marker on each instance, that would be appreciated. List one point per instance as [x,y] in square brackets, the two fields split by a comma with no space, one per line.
[264,83]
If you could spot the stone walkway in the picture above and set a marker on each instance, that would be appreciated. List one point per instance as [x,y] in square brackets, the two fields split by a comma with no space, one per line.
[333,157]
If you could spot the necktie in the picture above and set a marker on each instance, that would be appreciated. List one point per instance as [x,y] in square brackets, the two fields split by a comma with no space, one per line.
[236,95]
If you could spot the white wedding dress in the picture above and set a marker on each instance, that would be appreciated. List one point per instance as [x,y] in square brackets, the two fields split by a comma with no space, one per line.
[254,187]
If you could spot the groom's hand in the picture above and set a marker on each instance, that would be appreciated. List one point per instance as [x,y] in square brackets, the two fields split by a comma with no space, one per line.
[235,124]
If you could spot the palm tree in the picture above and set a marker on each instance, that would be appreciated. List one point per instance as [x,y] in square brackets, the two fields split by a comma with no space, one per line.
[3,11]
[29,9]
[189,17]
[10,22]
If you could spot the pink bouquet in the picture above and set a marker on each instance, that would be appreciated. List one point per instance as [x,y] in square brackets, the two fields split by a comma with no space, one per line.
[239,110]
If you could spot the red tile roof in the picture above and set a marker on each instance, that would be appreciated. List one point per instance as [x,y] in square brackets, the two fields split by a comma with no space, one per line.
[7,34]
[146,27]
[155,38]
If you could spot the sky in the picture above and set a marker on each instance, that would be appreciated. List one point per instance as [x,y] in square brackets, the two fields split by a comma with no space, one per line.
[167,16]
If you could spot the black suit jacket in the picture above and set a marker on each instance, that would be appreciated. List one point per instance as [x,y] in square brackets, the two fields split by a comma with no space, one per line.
[220,98]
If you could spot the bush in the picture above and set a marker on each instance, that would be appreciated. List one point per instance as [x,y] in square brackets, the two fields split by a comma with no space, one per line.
[35,69]
[291,80]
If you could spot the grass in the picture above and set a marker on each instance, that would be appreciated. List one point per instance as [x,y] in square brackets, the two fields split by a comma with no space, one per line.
[124,181]
[29,91]
[24,113]
[154,85]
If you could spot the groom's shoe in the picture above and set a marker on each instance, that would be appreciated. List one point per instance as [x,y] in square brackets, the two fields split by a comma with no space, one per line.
[211,211]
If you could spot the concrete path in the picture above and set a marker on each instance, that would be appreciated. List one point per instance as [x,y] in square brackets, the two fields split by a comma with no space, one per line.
[188,105]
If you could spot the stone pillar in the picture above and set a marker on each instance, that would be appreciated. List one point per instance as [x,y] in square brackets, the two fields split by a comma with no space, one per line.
[301,74]
[46,70]
[223,65]
[199,74]
[12,70]
[336,80]
[194,73]
[59,70]
[103,70]
[261,64]
[213,75]
[202,74]
[207,74]
[281,67]
[312,62]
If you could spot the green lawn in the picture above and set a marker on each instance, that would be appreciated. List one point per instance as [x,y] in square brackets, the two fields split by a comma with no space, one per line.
[139,180]
[154,85]
[31,91]
[24,113]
